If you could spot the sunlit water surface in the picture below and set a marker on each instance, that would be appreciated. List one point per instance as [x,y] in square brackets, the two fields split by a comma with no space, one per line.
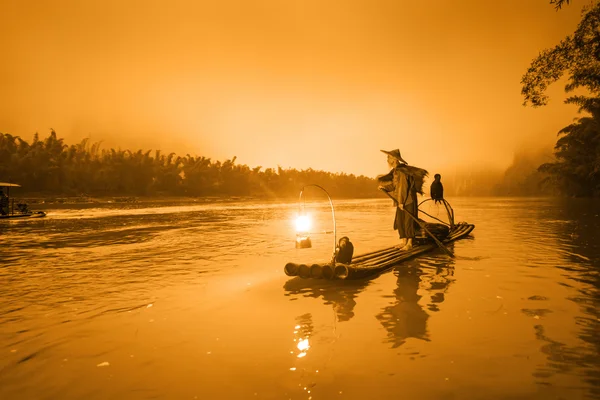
[189,301]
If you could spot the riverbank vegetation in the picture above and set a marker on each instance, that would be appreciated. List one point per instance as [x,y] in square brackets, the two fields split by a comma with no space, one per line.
[50,166]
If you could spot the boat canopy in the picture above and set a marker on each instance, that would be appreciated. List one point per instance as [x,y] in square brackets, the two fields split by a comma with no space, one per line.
[4,184]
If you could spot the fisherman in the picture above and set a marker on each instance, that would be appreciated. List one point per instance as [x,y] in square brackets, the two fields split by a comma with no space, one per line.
[23,208]
[436,191]
[403,182]
[3,203]
[344,251]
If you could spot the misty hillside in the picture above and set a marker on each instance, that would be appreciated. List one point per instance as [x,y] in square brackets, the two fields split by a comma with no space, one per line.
[522,177]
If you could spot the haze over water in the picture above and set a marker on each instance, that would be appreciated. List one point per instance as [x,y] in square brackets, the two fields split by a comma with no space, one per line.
[308,84]
[189,300]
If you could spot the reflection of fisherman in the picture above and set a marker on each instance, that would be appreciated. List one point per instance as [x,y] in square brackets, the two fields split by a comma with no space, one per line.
[3,203]
[404,182]
[436,191]
[405,318]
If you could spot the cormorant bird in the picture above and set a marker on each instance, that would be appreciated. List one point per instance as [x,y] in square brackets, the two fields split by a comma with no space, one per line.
[437,189]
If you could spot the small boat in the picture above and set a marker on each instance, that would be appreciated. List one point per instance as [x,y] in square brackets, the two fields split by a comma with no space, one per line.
[10,210]
[373,263]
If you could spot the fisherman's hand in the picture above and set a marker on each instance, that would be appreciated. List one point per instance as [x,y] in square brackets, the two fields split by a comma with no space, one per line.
[400,206]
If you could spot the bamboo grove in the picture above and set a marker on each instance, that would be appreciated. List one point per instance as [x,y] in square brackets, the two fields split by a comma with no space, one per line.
[51,166]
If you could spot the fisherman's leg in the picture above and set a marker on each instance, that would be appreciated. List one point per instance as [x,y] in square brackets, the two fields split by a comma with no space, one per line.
[408,245]
[409,225]
[399,226]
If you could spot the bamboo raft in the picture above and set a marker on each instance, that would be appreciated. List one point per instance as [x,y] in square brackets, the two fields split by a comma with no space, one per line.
[7,205]
[376,262]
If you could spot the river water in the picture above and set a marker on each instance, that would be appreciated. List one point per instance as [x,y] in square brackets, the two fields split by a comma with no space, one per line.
[188,300]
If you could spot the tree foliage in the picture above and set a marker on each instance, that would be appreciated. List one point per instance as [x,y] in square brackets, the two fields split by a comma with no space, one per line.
[51,166]
[576,170]
[578,56]
[559,3]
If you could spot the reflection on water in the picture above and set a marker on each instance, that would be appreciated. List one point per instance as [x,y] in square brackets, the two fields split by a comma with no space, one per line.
[405,317]
[341,295]
[185,300]
[302,331]
[580,230]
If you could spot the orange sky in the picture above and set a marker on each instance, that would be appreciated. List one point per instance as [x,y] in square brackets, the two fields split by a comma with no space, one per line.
[321,84]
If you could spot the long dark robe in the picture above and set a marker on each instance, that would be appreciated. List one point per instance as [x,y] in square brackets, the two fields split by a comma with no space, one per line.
[406,195]
[403,188]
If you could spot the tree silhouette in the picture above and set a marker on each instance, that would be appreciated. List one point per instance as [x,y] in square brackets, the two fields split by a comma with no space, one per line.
[51,166]
[577,169]
[577,55]
[559,3]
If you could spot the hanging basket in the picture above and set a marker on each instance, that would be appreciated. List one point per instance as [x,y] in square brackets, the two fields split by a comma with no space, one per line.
[440,231]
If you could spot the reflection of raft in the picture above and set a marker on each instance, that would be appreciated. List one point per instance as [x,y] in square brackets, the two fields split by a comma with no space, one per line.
[35,214]
[368,264]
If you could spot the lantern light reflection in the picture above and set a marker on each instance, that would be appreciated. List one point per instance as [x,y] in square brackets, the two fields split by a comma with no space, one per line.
[303,345]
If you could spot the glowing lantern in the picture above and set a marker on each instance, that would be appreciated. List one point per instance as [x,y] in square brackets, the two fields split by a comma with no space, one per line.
[302,228]
[303,223]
